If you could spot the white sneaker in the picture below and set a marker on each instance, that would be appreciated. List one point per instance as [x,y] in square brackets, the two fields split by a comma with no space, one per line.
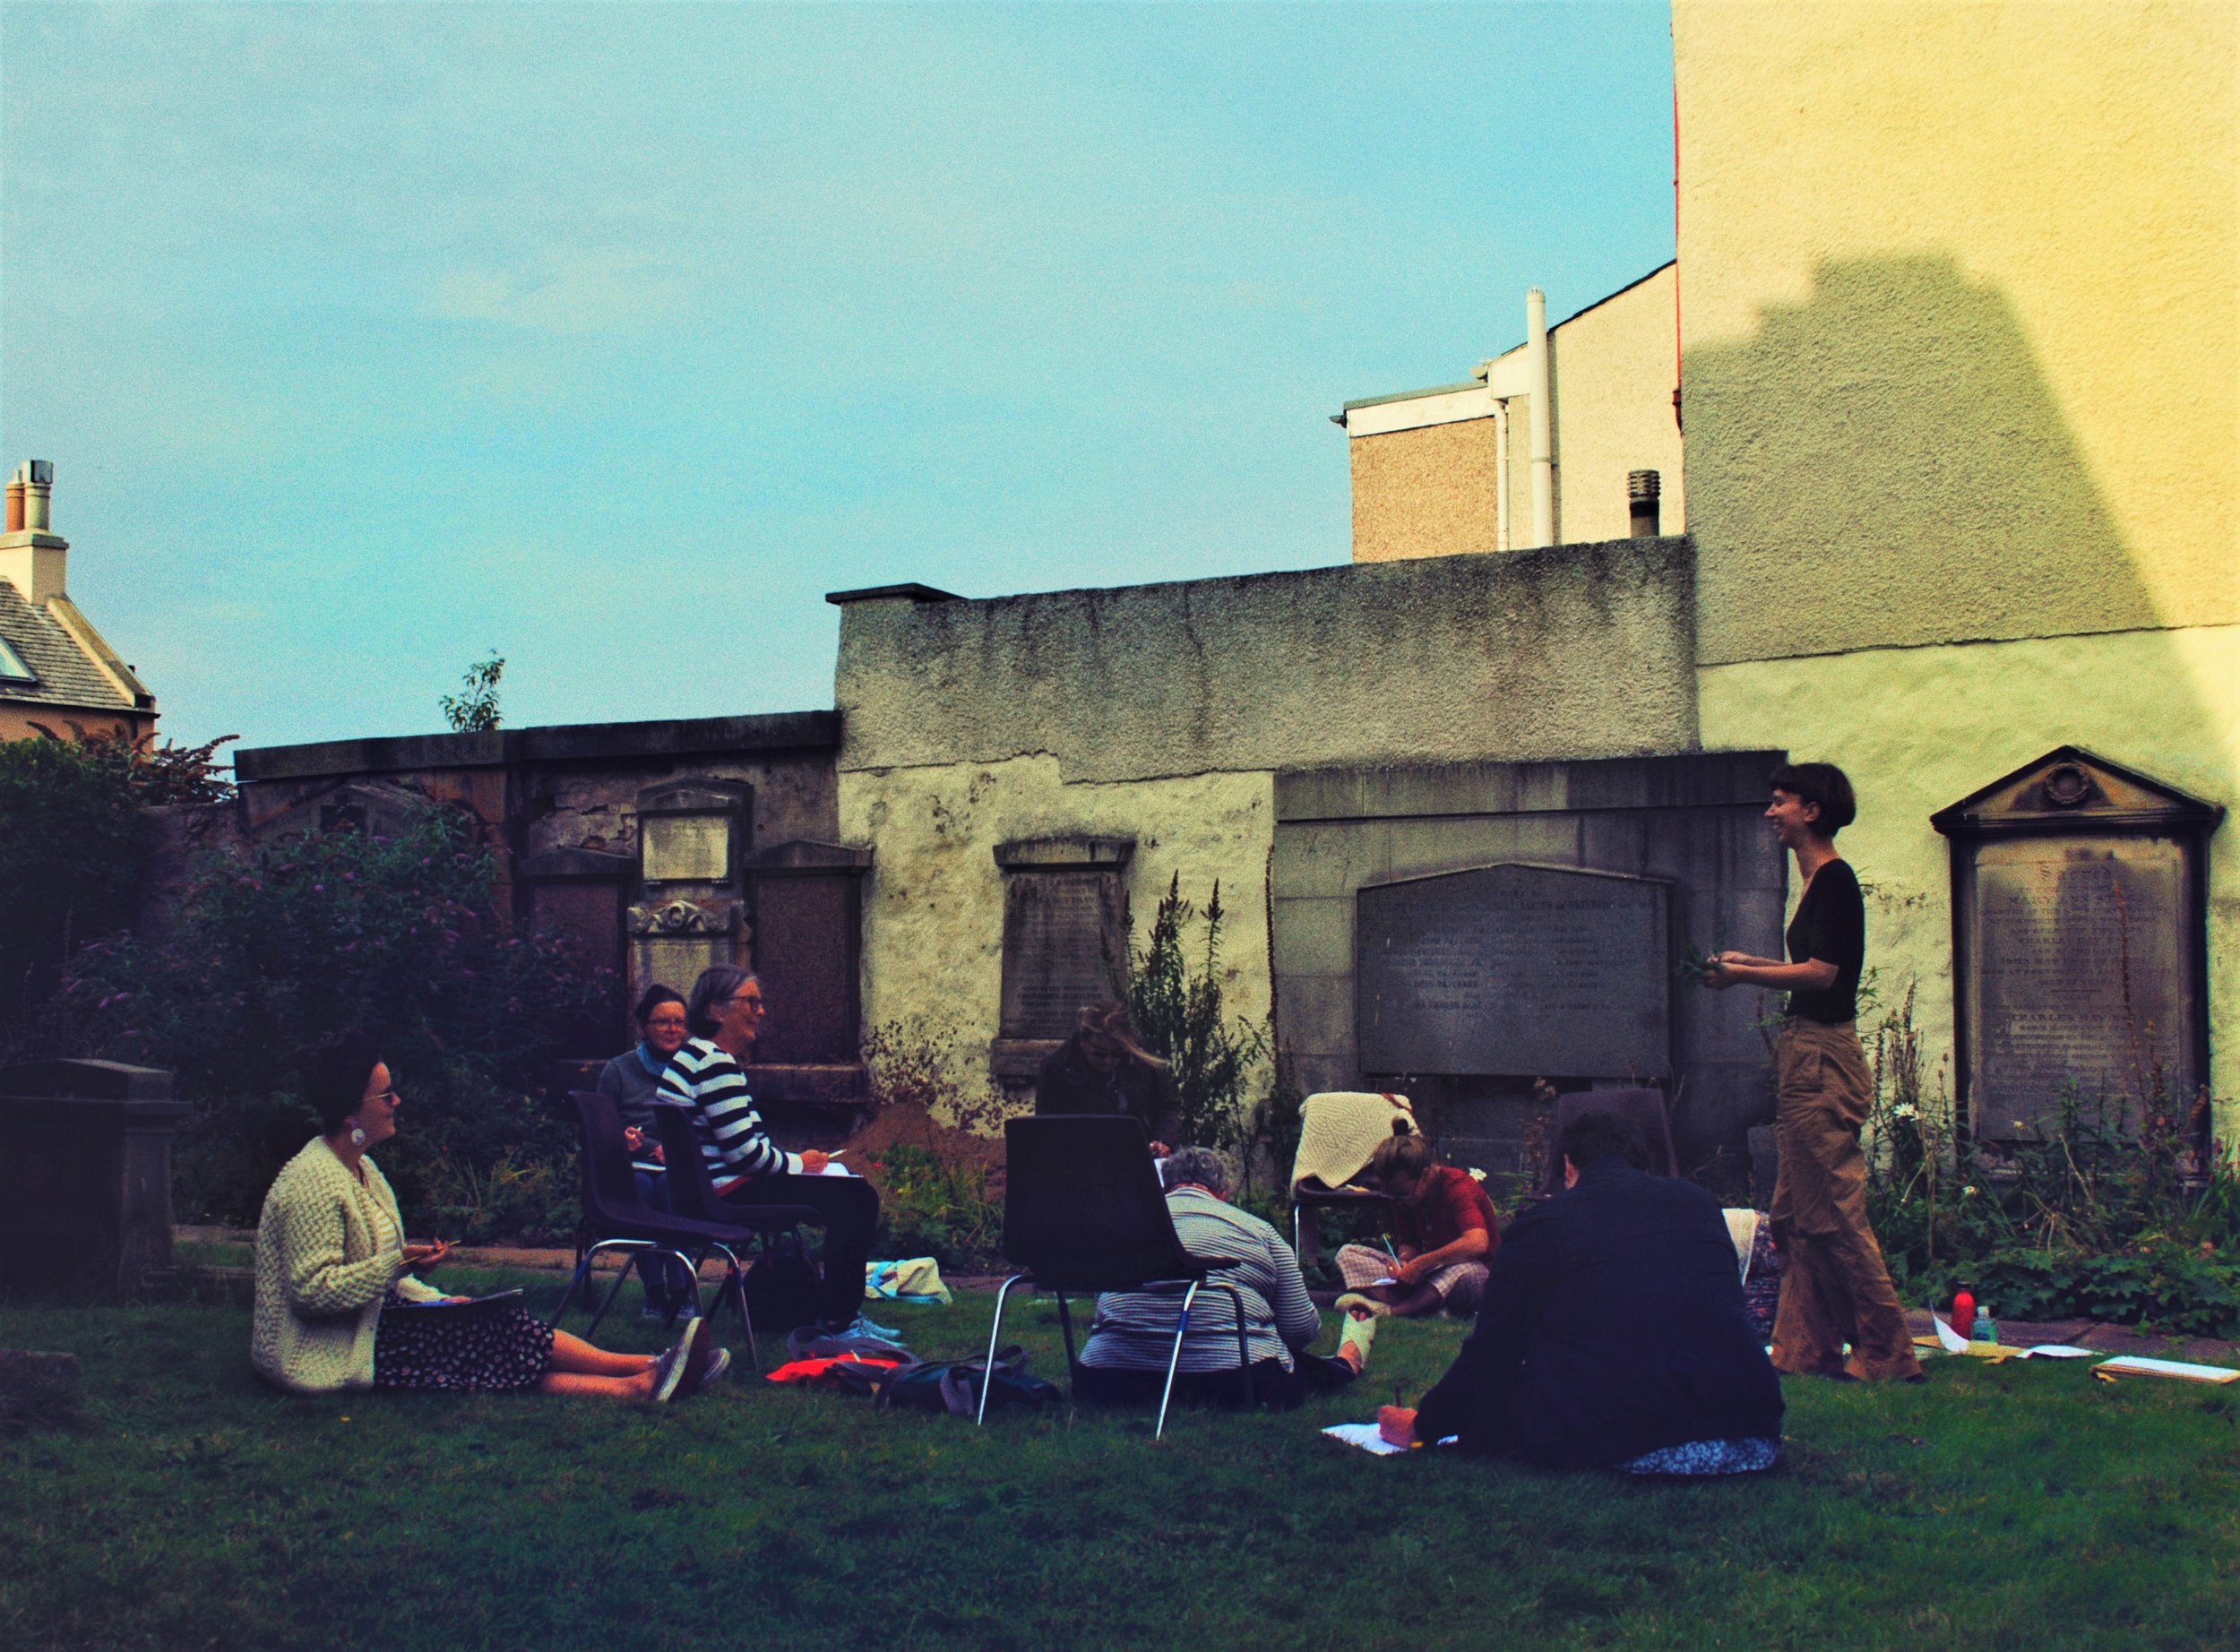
[668,1371]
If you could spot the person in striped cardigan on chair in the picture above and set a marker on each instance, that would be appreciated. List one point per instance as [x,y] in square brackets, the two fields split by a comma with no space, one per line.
[723,1017]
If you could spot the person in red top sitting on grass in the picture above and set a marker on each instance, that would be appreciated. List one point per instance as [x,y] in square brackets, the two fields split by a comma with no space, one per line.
[1445,1232]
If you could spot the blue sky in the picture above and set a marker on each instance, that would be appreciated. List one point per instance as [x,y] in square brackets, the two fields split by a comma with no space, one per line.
[367,338]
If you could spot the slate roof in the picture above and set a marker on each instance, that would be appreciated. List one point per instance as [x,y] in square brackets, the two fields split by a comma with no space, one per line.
[65,653]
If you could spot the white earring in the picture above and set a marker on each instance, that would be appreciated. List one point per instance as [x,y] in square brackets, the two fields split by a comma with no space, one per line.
[358,1136]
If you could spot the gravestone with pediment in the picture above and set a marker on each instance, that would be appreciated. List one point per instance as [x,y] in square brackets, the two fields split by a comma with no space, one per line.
[1515,970]
[692,836]
[1065,942]
[2079,893]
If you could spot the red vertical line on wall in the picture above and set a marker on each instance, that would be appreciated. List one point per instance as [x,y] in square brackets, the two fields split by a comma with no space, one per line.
[1678,422]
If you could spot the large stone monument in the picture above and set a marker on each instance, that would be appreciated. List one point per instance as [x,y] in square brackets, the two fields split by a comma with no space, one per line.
[85,1178]
[692,836]
[1520,970]
[1065,944]
[2080,890]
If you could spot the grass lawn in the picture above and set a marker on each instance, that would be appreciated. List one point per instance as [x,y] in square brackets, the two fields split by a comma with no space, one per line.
[2020,1506]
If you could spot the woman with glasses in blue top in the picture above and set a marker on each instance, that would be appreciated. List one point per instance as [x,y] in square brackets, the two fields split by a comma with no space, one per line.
[629,1081]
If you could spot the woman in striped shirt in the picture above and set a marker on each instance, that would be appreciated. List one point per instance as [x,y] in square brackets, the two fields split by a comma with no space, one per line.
[724,1016]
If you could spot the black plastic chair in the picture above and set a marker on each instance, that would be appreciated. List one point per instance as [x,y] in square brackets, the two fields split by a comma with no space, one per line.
[693,1191]
[1083,1212]
[616,1218]
[1645,1107]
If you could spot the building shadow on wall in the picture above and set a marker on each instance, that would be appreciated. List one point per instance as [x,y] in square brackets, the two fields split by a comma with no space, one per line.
[1895,471]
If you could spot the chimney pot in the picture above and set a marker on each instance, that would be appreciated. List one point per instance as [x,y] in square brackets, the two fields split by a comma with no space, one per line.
[38,482]
[1643,489]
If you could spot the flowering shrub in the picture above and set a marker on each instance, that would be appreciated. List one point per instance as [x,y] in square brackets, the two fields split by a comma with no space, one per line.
[399,937]
[2113,1212]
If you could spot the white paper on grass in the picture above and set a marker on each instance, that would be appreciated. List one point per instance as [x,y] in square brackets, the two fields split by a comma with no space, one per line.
[1365,1436]
[2137,1365]
[1951,1340]
[2058,1350]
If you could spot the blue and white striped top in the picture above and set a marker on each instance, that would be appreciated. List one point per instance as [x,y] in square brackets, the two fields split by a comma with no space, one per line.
[1134,1330]
[708,1082]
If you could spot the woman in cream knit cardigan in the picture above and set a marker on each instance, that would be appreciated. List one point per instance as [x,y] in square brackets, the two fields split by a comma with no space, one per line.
[330,1256]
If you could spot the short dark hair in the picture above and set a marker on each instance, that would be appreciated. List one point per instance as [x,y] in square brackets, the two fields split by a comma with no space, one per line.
[653,998]
[332,1074]
[1825,785]
[717,984]
[1594,1136]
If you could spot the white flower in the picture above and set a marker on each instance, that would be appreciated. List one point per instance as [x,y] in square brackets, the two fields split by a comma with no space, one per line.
[1905,1110]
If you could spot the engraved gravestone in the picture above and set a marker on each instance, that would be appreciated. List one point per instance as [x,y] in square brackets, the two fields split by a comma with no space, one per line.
[2080,888]
[2078,981]
[1514,969]
[1064,932]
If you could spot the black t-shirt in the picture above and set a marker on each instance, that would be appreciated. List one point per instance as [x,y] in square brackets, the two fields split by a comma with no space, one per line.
[1831,927]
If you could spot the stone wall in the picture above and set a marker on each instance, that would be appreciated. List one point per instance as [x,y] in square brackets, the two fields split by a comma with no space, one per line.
[1582,651]
[559,806]
[1691,822]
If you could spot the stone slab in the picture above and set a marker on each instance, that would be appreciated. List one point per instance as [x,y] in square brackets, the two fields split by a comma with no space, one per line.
[1515,969]
[2080,977]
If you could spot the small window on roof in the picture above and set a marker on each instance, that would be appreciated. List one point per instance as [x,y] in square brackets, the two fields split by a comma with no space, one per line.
[12,666]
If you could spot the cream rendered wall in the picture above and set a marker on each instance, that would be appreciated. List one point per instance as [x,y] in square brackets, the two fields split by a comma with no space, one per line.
[1611,372]
[1919,728]
[1963,339]
[933,905]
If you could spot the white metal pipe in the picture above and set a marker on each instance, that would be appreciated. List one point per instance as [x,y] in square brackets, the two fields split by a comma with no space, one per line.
[1500,473]
[1543,427]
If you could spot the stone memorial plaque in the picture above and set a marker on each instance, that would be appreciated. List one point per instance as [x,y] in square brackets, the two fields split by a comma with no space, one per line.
[2079,977]
[687,848]
[1063,946]
[1517,970]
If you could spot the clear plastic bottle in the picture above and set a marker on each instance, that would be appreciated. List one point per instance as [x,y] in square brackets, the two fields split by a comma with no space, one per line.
[1986,1328]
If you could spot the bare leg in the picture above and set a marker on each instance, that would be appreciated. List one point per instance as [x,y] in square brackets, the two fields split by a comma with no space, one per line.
[557,1382]
[573,1356]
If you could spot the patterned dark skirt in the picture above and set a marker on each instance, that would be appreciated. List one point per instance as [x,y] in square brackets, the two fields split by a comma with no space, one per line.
[493,1350]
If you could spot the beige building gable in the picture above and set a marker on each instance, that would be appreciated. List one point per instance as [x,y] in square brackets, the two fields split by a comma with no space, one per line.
[1449,469]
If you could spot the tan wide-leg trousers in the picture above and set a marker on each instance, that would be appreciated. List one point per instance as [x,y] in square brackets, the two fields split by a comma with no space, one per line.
[1835,1287]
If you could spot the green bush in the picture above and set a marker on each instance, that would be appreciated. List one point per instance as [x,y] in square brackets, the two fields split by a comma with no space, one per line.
[400,937]
[2117,1212]
[929,1207]
[73,850]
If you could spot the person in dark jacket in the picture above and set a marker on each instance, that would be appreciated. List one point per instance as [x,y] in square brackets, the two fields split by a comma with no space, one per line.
[630,1081]
[1612,1331]
[1102,1069]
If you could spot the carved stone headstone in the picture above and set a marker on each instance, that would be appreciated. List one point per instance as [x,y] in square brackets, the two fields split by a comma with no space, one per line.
[1065,934]
[1515,970]
[2080,891]
[692,837]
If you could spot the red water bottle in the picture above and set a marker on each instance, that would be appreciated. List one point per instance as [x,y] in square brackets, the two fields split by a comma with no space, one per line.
[1964,1312]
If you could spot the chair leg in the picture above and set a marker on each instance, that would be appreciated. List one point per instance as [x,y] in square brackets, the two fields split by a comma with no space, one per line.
[994,1329]
[582,1278]
[1174,1360]
[1244,1347]
[608,1301]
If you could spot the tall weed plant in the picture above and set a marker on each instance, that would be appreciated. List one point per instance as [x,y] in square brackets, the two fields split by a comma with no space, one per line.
[1175,1001]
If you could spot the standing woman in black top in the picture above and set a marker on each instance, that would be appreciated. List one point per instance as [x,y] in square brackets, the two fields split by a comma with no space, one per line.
[1835,1287]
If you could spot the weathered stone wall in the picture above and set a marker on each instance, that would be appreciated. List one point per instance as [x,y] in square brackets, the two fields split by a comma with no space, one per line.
[1162,714]
[559,806]
[1582,651]
[933,905]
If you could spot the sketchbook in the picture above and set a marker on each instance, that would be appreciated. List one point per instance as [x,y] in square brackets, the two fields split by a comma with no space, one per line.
[2139,1365]
[494,1299]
